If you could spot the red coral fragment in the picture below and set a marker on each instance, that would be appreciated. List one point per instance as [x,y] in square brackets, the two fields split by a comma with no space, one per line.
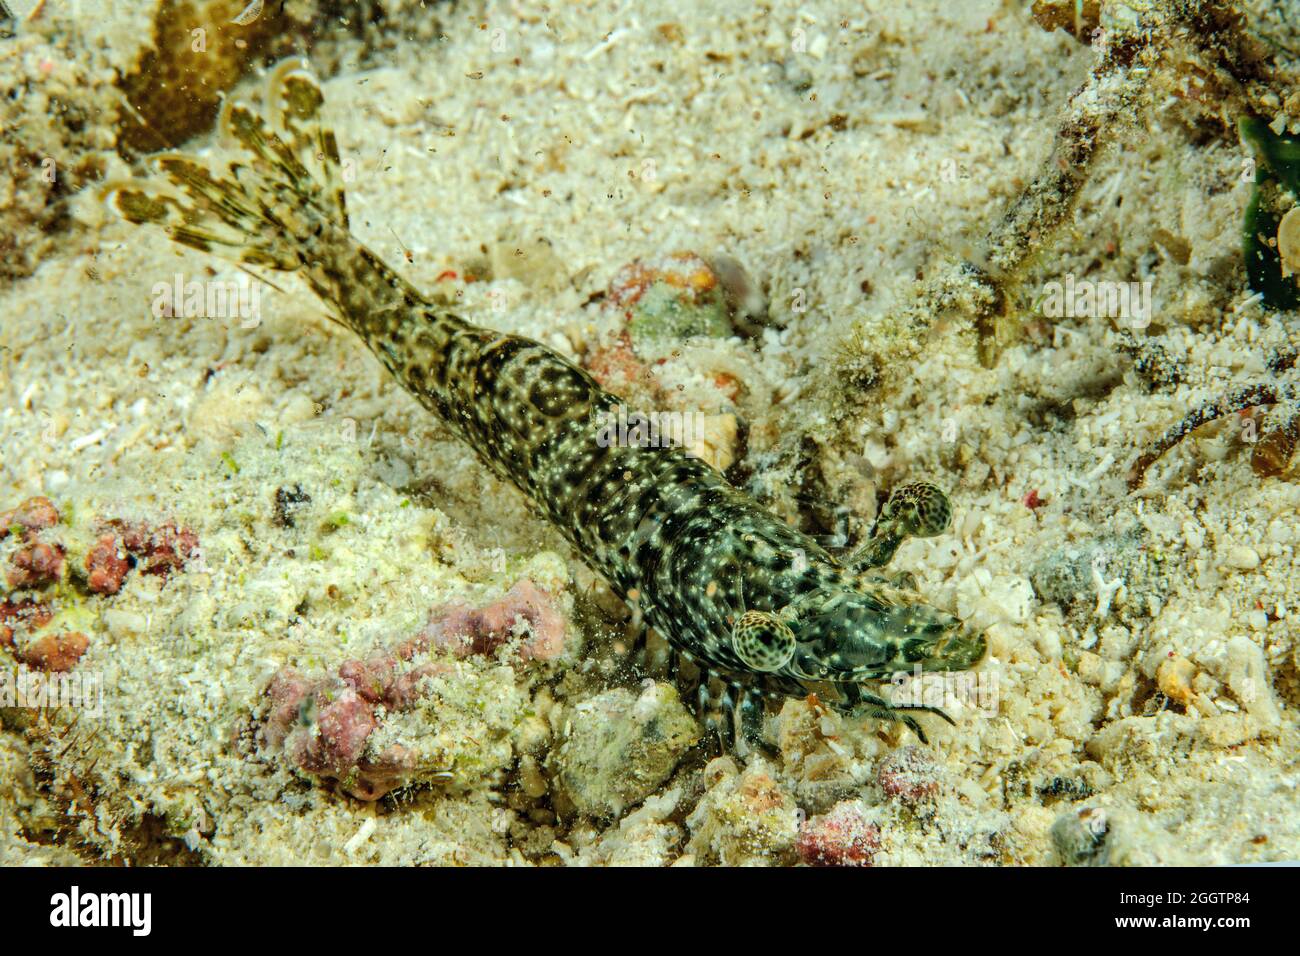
[164,548]
[34,514]
[377,681]
[840,837]
[371,678]
[21,615]
[55,652]
[288,690]
[106,566]
[158,549]
[35,565]
[323,725]
[405,691]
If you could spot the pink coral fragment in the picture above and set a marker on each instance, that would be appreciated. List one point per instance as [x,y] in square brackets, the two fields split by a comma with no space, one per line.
[322,725]
[342,726]
[465,631]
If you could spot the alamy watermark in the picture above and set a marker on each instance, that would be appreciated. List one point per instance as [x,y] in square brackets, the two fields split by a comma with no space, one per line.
[81,690]
[1084,298]
[130,910]
[947,690]
[237,298]
[624,429]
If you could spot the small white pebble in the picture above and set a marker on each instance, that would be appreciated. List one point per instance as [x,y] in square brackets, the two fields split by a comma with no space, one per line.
[360,837]
[94,438]
[1243,558]
[123,623]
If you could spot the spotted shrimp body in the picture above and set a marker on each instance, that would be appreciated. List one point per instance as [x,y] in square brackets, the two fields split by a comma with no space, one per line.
[748,598]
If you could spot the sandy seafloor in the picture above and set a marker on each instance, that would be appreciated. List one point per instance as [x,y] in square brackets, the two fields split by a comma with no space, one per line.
[808,142]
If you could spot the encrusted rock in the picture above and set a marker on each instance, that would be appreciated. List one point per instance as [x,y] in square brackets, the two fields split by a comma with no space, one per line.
[16,616]
[745,819]
[673,297]
[908,775]
[620,746]
[1112,836]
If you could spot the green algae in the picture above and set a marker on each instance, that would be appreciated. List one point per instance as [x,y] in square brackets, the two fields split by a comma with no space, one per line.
[1277,188]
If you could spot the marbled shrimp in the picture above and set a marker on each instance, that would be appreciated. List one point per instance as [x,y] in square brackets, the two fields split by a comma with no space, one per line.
[749,599]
